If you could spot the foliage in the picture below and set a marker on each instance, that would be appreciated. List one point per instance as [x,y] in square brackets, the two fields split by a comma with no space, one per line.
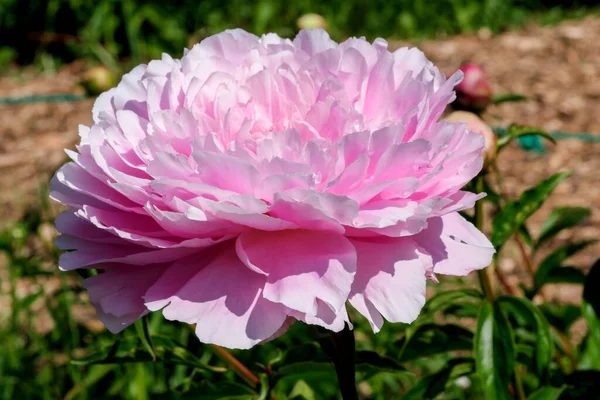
[109,29]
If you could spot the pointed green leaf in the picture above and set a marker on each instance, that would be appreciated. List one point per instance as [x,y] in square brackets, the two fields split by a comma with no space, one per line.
[130,350]
[304,369]
[141,326]
[96,373]
[215,391]
[561,218]
[517,131]
[28,301]
[432,385]
[462,310]
[526,236]
[301,391]
[566,274]
[508,98]
[450,297]
[370,362]
[561,316]
[494,351]
[430,339]
[303,360]
[590,359]
[527,314]
[547,393]
[515,213]
[554,261]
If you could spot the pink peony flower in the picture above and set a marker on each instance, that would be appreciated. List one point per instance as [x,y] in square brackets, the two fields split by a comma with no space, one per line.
[259,181]
[474,93]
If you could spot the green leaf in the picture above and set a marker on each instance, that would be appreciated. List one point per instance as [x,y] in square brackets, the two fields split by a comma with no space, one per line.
[494,351]
[141,326]
[566,274]
[554,261]
[432,385]
[561,218]
[447,298]
[529,315]
[308,351]
[130,350]
[561,316]
[216,391]
[515,213]
[547,393]
[591,356]
[370,362]
[301,391]
[526,236]
[304,369]
[28,301]
[430,339]
[508,98]
[95,374]
[516,131]
[308,358]
[265,387]
[462,310]
[303,360]
[524,355]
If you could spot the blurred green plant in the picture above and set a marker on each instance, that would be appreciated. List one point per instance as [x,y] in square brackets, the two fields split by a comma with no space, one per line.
[109,30]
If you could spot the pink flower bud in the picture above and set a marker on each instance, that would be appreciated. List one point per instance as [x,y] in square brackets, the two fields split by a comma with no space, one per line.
[474,92]
[477,125]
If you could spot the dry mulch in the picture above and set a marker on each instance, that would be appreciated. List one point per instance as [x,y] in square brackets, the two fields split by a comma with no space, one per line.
[558,68]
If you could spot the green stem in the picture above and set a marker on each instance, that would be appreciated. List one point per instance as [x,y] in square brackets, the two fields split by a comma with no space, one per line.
[235,365]
[484,278]
[519,385]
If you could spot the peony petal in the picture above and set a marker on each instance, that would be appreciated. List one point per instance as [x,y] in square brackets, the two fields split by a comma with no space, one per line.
[313,41]
[118,293]
[390,280]
[455,245]
[306,268]
[221,296]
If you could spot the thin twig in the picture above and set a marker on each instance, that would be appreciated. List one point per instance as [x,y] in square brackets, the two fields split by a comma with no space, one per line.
[505,285]
[522,248]
[236,366]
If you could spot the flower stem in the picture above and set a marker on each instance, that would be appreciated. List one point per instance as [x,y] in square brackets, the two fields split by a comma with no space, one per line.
[484,278]
[519,385]
[235,365]
[341,350]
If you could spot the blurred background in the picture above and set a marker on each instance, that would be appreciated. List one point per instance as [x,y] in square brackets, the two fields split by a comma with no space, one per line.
[65,30]
[55,55]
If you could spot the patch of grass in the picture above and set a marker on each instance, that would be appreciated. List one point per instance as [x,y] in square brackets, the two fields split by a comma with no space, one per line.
[107,30]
